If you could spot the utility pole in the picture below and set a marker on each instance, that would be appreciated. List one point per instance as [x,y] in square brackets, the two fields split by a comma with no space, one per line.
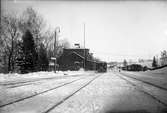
[57,31]
[55,45]
[84,49]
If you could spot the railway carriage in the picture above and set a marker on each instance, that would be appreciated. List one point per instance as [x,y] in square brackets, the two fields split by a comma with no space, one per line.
[101,66]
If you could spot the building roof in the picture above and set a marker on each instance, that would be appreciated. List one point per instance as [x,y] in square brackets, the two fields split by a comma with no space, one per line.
[76,48]
[76,54]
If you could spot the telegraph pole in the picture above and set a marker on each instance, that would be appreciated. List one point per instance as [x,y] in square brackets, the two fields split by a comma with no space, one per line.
[55,44]
[57,31]
[84,49]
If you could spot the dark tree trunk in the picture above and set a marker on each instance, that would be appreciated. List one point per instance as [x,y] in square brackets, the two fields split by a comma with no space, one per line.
[10,59]
[9,63]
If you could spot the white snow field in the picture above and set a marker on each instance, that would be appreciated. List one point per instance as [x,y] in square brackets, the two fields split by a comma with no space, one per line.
[108,93]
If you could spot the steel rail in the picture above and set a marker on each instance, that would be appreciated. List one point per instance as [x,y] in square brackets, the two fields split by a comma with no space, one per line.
[160,87]
[33,95]
[139,89]
[66,98]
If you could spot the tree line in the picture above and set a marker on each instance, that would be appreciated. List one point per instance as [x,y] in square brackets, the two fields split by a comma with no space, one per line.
[156,62]
[26,45]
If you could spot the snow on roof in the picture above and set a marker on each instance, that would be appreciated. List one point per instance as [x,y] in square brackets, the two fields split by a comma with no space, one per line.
[75,48]
[76,54]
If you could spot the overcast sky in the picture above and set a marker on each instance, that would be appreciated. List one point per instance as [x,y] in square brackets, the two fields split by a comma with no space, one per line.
[114,30]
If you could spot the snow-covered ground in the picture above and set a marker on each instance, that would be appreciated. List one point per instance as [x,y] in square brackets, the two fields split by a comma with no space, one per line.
[158,76]
[14,87]
[39,103]
[106,94]
[160,71]
[110,94]
[15,77]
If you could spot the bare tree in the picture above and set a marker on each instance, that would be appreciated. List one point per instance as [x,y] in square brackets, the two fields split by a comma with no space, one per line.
[12,29]
[49,42]
[9,37]
[163,54]
[64,43]
[34,22]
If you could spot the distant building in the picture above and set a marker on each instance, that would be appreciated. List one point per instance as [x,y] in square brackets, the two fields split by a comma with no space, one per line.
[134,67]
[163,61]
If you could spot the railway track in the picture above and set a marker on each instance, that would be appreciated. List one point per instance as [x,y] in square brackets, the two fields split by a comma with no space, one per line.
[39,93]
[146,82]
[29,82]
[122,76]
[67,97]
[48,90]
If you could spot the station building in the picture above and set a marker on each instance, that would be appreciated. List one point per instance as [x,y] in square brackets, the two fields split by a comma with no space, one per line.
[76,58]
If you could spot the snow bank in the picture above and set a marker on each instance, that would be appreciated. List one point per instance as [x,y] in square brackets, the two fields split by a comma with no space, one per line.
[36,75]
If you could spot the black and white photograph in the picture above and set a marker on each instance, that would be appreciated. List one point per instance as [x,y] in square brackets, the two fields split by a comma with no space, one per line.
[83,56]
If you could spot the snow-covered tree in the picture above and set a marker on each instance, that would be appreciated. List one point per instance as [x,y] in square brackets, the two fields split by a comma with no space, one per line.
[163,58]
[163,54]
[154,63]
[10,34]
[27,54]
[43,61]
[125,63]
[33,21]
